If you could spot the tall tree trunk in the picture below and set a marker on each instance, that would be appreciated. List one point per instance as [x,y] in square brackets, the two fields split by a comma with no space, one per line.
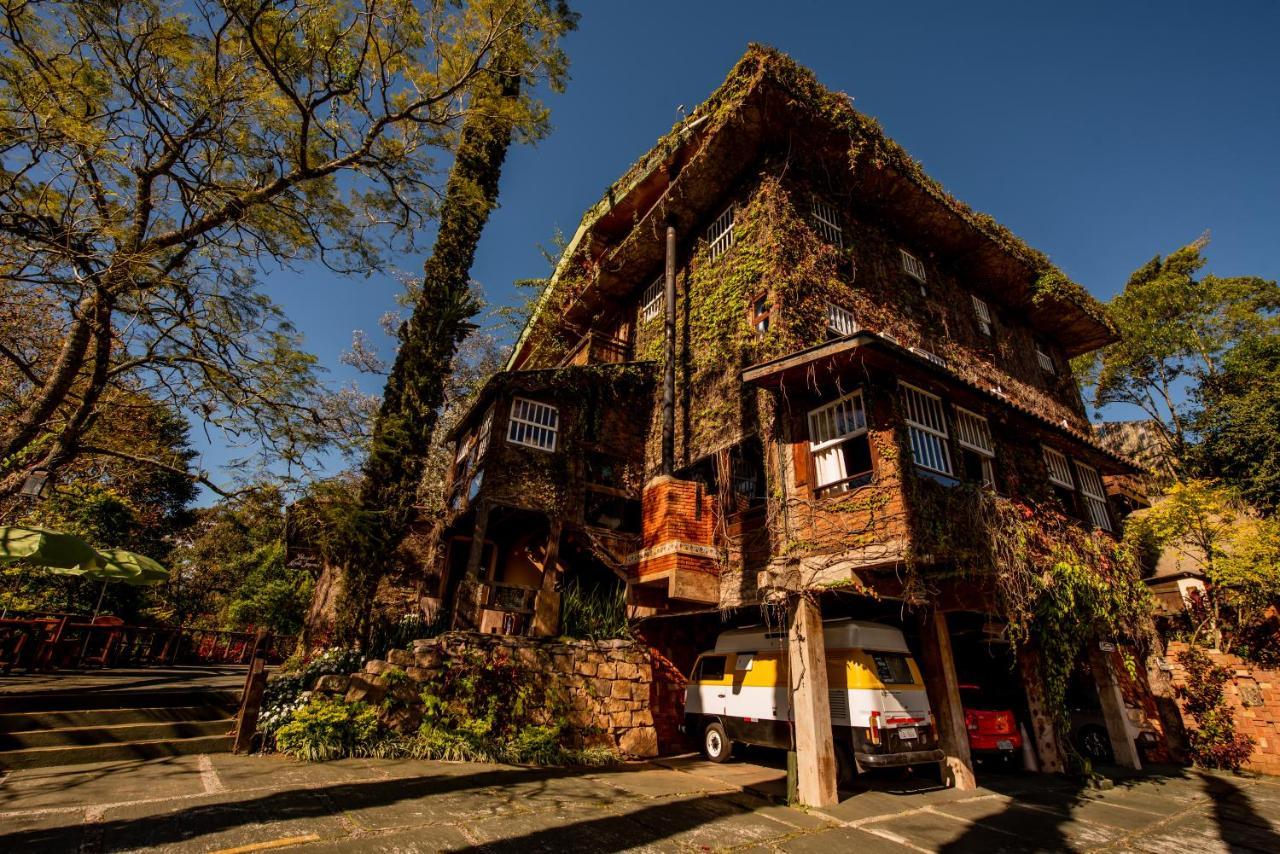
[414,393]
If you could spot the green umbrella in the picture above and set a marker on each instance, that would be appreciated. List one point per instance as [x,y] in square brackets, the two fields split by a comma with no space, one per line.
[61,553]
[129,567]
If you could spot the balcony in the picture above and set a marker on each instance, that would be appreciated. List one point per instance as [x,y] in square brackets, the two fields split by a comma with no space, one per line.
[597,348]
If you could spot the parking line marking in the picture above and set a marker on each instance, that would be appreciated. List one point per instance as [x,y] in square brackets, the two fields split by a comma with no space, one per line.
[209,776]
[274,843]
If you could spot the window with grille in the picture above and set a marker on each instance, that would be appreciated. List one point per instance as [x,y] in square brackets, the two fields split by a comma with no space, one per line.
[911,264]
[839,445]
[840,320]
[927,429]
[1059,471]
[651,301]
[1095,497]
[983,314]
[973,435]
[1045,360]
[533,424]
[826,221]
[720,233]
[468,472]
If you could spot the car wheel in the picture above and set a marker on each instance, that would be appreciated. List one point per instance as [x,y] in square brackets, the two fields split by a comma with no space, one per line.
[846,768]
[716,746]
[1095,744]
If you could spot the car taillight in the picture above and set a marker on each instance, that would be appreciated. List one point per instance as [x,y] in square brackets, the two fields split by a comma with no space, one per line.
[971,721]
[873,732]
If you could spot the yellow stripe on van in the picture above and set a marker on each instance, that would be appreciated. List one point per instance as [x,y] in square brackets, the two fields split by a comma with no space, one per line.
[847,669]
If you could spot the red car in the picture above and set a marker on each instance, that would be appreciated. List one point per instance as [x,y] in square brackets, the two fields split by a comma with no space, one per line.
[993,729]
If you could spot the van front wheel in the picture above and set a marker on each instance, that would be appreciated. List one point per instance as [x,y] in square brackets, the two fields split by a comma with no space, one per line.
[716,746]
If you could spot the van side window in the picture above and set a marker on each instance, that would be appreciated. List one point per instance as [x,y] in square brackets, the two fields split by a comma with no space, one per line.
[710,668]
[892,668]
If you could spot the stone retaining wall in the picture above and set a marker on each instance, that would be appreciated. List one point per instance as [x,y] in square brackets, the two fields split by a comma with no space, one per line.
[606,684]
[1254,696]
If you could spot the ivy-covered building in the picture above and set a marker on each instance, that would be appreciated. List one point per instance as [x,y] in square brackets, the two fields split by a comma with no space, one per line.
[778,365]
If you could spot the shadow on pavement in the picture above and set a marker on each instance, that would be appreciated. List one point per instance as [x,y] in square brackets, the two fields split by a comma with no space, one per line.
[1238,821]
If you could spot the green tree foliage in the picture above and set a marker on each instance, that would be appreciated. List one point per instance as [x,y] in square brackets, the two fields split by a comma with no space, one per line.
[1238,422]
[161,154]
[441,320]
[231,572]
[1207,528]
[1177,329]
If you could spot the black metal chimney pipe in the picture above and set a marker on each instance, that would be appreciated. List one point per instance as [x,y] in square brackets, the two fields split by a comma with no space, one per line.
[669,379]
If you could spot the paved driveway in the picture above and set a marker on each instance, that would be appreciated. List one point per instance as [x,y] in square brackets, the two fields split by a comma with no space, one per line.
[241,804]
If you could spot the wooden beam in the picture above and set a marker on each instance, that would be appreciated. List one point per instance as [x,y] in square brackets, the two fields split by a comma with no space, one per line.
[810,703]
[943,688]
[1113,714]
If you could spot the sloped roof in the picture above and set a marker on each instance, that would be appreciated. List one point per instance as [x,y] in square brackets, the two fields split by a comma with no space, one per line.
[767,92]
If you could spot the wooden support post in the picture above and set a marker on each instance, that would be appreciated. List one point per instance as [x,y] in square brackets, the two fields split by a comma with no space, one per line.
[1113,714]
[810,703]
[466,604]
[255,683]
[944,696]
[546,607]
[1044,732]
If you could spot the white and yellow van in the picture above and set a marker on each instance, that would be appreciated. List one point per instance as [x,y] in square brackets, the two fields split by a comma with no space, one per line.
[879,710]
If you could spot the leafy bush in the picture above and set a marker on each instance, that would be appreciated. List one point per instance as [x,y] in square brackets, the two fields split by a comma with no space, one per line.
[400,634]
[596,614]
[1214,742]
[285,694]
[326,729]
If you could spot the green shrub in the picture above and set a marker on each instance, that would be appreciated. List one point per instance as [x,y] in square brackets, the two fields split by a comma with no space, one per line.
[284,694]
[1214,742]
[326,729]
[596,614]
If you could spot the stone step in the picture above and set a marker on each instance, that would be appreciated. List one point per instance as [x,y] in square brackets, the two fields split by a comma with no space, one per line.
[62,701]
[45,757]
[69,718]
[84,736]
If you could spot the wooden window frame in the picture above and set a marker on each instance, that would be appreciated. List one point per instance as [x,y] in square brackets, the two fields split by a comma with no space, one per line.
[826,221]
[720,233]
[927,404]
[982,312]
[652,299]
[813,419]
[1095,501]
[526,430]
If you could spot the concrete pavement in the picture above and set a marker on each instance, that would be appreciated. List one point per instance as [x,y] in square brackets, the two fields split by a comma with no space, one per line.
[240,804]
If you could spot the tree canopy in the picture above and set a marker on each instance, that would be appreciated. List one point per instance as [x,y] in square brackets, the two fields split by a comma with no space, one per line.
[161,158]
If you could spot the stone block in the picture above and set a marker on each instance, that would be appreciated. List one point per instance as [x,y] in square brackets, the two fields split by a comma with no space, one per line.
[641,742]
[639,690]
[422,674]
[620,720]
[588,668]
[607,670]
[601,687]
[642,717]
[627,670]
[421,646]
[401,658]
[403,719]
[366,688]
[621,690]
[428,658]
[376,666]
[333,683]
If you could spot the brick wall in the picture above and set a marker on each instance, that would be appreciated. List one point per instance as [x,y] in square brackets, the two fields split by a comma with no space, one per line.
[1254,695]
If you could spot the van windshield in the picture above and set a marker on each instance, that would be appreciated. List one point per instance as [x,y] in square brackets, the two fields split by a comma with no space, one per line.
[892,668]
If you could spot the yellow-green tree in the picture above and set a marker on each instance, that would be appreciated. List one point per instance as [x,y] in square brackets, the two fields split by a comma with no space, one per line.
[159,155]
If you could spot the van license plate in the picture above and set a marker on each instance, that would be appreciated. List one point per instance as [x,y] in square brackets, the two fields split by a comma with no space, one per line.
[907,732]
[1004,744]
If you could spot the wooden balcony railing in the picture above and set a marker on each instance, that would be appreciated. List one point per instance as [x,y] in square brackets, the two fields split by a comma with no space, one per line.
[596,348]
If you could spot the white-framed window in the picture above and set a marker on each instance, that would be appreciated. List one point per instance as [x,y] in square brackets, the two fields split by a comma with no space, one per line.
[912,266]
[983,314]
[651,300]
[533,424]
[720,233]
[927,429]
[840,320]
[826,221]
[839,444]
[1095,496]
[1045,360]
[1059,470]
[973,435]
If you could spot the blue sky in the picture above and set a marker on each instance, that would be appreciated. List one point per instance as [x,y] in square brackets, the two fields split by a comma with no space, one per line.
[1101,133]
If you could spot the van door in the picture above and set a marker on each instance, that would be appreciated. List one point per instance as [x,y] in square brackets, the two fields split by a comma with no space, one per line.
[713,686]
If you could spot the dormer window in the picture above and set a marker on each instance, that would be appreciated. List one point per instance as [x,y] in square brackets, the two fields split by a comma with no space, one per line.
[1045,360]
[651,300]
[826,221]
[912,267]
[840,322]
[720,234]
[983,315]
